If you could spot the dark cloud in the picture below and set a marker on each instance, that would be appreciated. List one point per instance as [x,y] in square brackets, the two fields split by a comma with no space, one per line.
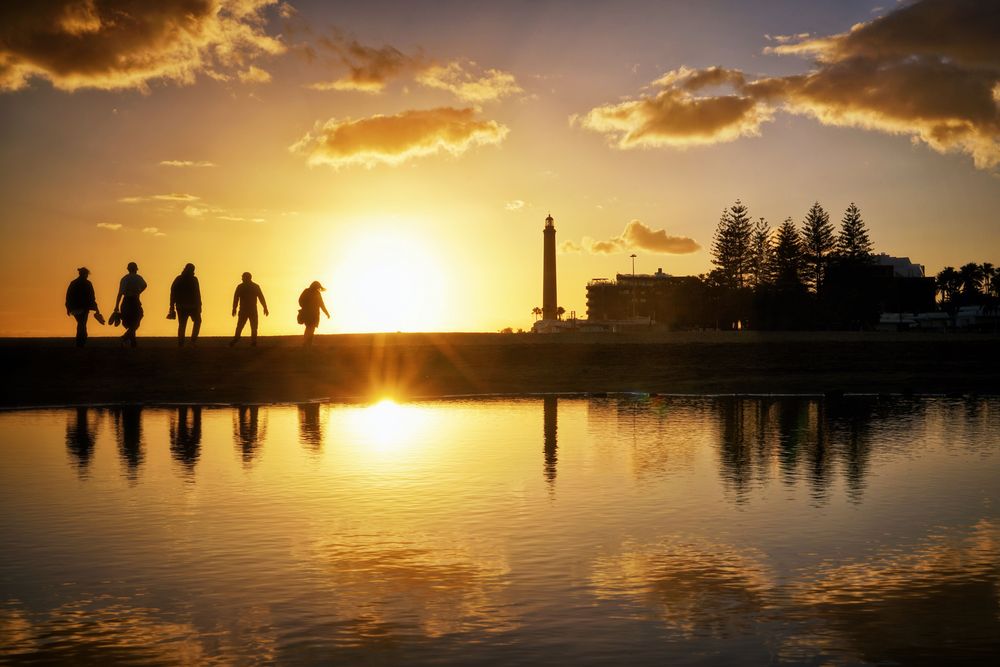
[929,70]
[116,44]
[370,69]
[962,31]
[395,139]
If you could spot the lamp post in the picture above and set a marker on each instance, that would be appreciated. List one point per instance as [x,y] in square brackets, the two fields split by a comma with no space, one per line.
[632,289]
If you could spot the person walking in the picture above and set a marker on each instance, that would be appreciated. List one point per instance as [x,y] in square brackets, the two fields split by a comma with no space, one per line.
[185,304]
[310,303]
[80,300]
[128,307]
[245,300]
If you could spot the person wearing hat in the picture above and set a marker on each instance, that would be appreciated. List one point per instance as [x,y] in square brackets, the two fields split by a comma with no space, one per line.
[128,307]
[80,300]
[185,304]
[310,303]
[245,300]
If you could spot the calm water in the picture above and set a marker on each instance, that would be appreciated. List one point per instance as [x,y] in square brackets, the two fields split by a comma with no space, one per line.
[566,531]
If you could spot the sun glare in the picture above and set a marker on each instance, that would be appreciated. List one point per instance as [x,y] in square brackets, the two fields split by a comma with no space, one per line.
[389,280]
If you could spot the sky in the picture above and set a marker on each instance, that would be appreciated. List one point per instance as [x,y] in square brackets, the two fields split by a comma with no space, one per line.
[405,154]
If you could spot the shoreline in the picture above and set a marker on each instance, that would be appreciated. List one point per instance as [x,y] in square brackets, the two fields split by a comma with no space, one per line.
[365,367]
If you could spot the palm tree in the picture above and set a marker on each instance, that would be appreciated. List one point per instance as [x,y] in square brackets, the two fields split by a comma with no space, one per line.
[537,312]
[989,278]
[948,285]
[559,312]
[971,277]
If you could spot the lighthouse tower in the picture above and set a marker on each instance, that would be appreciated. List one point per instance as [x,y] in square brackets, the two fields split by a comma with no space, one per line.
[549,302]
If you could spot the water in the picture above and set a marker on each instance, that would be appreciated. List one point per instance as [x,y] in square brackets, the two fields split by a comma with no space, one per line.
[507,531]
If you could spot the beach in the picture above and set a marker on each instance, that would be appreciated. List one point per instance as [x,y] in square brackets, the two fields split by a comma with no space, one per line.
[363,367]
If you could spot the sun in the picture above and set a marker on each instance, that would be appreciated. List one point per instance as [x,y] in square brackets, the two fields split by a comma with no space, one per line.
[390,279]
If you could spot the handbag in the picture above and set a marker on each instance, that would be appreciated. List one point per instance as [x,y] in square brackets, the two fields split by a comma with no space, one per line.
[300,318]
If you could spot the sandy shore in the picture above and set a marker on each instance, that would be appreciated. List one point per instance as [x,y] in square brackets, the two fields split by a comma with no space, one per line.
[351,367]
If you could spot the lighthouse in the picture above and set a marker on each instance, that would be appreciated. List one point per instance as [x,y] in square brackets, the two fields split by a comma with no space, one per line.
[549,301]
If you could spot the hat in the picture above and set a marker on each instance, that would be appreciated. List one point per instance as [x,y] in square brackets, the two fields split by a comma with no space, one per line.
[316,285]
[83,269]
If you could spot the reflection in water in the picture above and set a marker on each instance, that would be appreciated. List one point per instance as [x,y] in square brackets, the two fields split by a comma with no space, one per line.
[804,437]
[247,432]
[907,605]
[695,589]
[105,630]
[185,436]
[310,427]
[440,586]
[550,418]
[80,439]
[718,530]
[127,422]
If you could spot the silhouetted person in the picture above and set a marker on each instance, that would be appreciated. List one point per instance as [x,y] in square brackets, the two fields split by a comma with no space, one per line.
[80,440]
[310,303]
[185,436]
[80,300]
[245,302]
[127,303]
[185,304]
[310,427]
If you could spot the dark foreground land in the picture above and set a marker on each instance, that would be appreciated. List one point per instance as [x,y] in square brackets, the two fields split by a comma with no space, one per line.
[352,367]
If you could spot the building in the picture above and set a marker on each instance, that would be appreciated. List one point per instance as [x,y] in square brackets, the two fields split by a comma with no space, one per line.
[902,267]
[647,299]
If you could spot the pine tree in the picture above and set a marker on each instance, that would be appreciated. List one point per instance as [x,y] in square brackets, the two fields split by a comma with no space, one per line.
[731,245]
[787,256]
[818,242]
[853,243]
[760,254]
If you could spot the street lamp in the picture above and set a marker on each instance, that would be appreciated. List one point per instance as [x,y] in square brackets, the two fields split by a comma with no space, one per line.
[633,287]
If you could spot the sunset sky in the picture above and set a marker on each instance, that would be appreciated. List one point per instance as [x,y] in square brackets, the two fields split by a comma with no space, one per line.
[406,154]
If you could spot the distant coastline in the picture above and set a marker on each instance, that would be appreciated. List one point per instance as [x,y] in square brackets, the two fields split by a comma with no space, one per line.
[48,372]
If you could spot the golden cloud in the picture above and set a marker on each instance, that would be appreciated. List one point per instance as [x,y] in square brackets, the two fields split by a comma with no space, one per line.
[637,236]
[676,118]
[254,74]
[395,139]
[111,226]
[464,82]
[118,44]
[173,196]
[929,70]
[186,163]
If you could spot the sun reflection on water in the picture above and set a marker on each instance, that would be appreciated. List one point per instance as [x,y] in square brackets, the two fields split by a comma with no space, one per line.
[387,427]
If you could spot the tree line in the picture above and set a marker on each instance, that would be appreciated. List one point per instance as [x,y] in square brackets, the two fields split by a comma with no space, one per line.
[749,253]
[819,276]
